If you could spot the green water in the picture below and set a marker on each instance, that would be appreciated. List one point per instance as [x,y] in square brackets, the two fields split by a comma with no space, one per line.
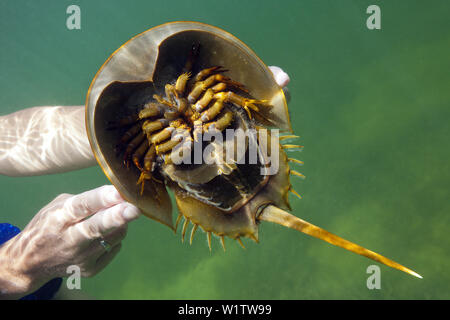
[372,108]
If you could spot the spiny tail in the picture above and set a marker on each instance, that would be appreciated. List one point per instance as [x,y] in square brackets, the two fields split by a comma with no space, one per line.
[276,215]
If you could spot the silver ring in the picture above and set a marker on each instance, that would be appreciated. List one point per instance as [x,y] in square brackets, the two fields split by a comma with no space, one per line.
[105,245]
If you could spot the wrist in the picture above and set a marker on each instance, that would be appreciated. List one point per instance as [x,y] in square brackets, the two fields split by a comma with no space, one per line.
[14,281]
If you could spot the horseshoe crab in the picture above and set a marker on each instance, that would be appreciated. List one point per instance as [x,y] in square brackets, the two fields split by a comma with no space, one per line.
[165,88]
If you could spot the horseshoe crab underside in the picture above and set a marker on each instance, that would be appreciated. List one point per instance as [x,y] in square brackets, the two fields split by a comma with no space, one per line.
[190,78]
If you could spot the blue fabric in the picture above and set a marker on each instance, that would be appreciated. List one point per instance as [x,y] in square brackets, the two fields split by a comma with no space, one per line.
[48,290]
[7,231]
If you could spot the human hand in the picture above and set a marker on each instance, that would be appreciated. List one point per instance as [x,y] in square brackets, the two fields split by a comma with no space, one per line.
[65,232]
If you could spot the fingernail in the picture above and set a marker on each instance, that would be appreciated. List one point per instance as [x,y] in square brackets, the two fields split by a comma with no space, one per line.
[131,212]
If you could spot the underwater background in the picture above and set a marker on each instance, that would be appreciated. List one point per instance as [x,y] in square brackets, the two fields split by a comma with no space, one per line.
[372,108]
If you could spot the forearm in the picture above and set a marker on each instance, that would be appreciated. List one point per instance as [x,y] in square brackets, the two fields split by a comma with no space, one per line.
[44,140]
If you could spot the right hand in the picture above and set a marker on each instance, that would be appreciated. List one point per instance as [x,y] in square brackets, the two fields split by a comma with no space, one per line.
[65,232]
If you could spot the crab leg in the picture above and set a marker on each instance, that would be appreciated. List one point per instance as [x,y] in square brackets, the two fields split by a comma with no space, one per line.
[180,84]
[139,154]
[182,104]
[227,82]
[204,101]
[201,86]
[132,132]
[221,86]
[207,72]
[168,145]
[151,126]
[176,101]
[182,149]
[131,147]
[150,110]
[221,123]
[212,112]
[162,135]
[149,159]
[167,132]
[240,101]
[163,101]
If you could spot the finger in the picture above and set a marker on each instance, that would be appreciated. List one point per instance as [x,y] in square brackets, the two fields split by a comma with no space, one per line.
[97,265]
[95,248]
[105,221]
[116,235]
[106,258]
[87,203]
[280,76]
[62,197]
